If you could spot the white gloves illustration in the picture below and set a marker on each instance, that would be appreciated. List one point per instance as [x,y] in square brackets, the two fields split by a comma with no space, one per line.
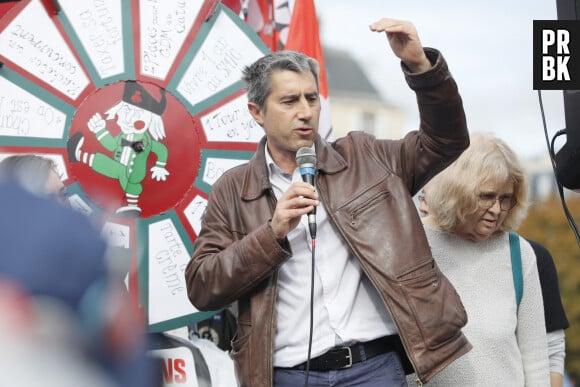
[159,173]
[96,123]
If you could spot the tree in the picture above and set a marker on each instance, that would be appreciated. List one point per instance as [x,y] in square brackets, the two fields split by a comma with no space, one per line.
[547,224]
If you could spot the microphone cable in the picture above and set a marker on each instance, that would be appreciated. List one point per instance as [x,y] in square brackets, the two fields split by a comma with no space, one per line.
[552,159]
[306,162]
[311,329]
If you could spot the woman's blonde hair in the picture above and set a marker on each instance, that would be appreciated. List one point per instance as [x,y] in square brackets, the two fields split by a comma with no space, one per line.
[453,194]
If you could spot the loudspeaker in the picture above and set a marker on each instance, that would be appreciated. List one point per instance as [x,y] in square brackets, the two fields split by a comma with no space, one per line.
[568,157]
[570,10]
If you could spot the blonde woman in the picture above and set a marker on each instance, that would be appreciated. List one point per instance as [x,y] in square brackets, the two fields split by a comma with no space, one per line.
[472,206]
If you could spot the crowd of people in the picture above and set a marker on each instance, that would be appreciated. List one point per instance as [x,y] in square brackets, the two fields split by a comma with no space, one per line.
[448,295]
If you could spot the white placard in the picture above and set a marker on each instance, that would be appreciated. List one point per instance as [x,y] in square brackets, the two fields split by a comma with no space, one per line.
[168,258]
[232,122]
[33,42]
[178,366]
[194,211]
[22,114]
[219,61]
[215,167]
[164,26]
[99,26]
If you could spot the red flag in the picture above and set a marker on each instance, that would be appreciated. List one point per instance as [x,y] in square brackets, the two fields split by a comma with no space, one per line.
[304,36]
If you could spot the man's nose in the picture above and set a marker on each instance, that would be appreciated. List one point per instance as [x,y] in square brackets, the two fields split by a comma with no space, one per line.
[305,110]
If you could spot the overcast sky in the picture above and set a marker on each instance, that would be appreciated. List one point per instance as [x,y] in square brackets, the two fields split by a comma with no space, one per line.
[488,45]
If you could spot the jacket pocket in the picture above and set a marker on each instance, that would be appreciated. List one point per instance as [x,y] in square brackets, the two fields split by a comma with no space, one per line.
[241,351]
[434,304]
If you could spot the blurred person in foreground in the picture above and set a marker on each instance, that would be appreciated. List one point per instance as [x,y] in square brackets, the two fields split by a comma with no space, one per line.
[57,261]
[37,174]
[377,289]
[470,208]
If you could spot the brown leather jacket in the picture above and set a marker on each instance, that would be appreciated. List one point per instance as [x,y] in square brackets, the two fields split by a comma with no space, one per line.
[365,185]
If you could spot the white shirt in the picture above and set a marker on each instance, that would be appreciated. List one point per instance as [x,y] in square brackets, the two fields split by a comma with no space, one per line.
[347,308]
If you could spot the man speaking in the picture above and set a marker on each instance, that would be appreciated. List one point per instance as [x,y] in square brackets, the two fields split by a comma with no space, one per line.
[360,301]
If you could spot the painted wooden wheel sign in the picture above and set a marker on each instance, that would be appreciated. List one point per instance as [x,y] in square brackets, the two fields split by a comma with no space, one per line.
[140,104]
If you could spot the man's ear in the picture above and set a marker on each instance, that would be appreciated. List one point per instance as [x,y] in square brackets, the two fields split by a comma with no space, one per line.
[256,112]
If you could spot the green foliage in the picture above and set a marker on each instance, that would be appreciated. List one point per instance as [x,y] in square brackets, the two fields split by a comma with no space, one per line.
[547,224]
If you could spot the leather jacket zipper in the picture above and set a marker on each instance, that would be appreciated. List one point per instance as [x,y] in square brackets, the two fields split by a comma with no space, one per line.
[368,203]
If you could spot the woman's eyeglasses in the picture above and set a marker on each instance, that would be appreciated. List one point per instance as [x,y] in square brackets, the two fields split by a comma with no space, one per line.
[506,202]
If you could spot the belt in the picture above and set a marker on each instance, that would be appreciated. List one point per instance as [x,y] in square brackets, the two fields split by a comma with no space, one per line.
[344,357]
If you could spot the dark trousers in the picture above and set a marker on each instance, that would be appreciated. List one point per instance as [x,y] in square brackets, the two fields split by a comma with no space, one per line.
[383,370]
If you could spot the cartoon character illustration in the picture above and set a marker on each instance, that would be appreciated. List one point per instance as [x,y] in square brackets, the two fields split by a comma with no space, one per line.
[138,115]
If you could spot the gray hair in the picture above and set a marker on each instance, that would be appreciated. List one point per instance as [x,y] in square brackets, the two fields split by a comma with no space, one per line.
[28,170]
[257,75]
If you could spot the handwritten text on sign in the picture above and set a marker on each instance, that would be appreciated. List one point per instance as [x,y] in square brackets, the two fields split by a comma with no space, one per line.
[232,122]
[164,27]
[42,51]
[168,258]
[99,26]
[24,115]
[219,62]
[215,167]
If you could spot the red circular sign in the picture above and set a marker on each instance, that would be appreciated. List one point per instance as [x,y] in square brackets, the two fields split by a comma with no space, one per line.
[134,149]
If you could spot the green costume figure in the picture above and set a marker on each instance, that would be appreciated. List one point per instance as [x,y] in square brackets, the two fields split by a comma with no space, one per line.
[139,117]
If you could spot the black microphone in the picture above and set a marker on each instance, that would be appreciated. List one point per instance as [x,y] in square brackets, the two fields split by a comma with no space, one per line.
[306,161]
